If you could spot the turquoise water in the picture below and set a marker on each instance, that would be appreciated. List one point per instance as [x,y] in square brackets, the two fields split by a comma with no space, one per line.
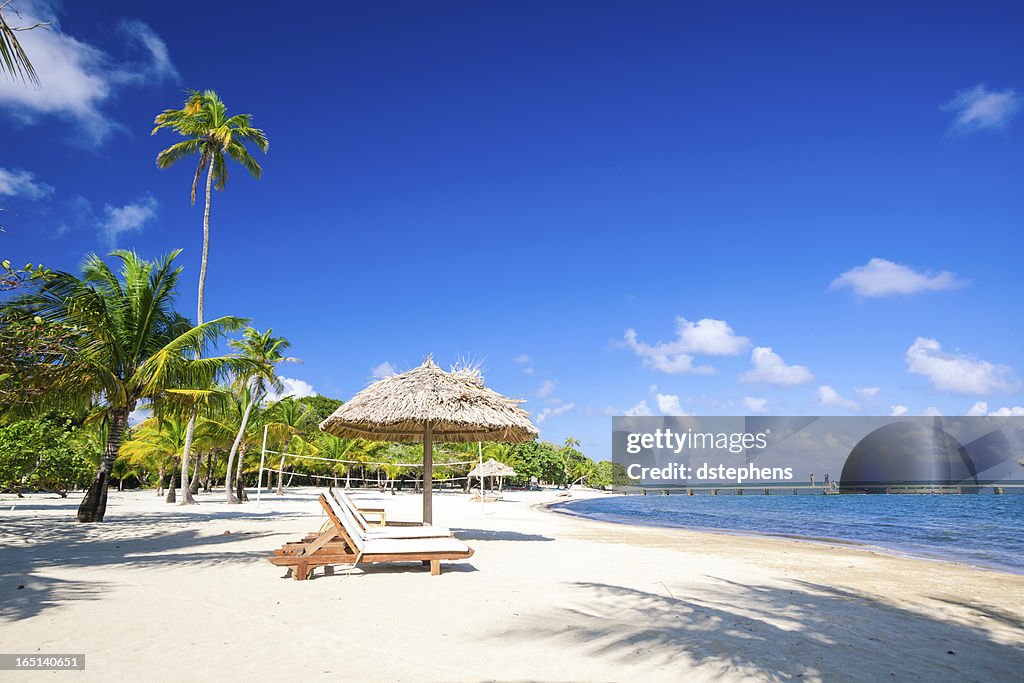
[982,530]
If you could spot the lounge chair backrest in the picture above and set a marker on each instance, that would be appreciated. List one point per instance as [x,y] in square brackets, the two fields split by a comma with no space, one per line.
[345,517]
[347,501]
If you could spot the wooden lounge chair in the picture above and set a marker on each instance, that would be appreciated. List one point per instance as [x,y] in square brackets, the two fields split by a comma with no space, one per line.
[343,542]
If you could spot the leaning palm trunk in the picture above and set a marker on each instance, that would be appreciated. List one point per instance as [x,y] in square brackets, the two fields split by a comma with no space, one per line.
[280,477]
[196,473]
[234,449]
[94,505]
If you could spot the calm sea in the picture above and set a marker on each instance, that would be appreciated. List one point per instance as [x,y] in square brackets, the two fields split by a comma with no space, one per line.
[982,530]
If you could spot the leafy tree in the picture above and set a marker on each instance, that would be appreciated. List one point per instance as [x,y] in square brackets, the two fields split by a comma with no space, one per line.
[318,409]
[48,453]
[127,345]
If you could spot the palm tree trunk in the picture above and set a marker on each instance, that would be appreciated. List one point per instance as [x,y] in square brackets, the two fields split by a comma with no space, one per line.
[160,481]
[171,488]
[94,505]
[194,486]
[240,493]
[208,479]
[186,494]
[234,448]
[280,477]
[190,432]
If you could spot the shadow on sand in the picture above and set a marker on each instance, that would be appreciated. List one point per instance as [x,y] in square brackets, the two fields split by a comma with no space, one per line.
[775,633]
[467,534]
[31,544]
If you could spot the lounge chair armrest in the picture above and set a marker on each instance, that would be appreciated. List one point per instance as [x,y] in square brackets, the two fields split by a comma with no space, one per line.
[377,512]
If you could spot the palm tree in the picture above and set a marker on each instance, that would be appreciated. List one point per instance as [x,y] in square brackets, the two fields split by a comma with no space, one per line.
[156,443]
[127,344]
[265,352]
[211,134]
[13,60]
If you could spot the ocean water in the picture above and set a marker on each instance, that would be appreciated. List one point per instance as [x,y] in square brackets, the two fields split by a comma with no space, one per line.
[980,530]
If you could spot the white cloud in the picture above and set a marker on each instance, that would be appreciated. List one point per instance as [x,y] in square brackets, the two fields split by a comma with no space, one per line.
[521,359]
[668,404]
[528,370]
[755,405]
[295,388]
[707,336]
[982,109]
[866,392]
[769,368]
[20,183]
[383,370]
[957,372]
[127,218]
[546,388]
[1016,411]
[641,409]
[979,408]
[881,278]
[544,414]
[827,396]
[898,410]
[931,411]
[78,79]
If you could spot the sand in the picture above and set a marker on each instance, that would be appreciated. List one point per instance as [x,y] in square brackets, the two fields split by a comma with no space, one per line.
[176,593]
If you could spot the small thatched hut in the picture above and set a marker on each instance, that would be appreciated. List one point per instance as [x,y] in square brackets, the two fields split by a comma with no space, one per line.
[427,404]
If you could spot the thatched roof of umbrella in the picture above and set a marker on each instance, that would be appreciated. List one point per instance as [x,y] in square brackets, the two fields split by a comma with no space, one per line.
[492,468]
[456,404]
[427,404]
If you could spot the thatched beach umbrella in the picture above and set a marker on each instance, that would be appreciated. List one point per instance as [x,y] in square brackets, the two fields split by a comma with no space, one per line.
[491,468]
[427,404]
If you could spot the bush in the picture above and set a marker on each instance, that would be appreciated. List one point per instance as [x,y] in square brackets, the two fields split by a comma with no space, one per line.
[49,454]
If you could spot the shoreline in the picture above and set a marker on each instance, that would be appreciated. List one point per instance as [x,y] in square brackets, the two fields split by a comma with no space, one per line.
[562,507]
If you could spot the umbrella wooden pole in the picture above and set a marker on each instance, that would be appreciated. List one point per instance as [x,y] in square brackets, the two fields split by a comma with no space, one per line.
[428,474]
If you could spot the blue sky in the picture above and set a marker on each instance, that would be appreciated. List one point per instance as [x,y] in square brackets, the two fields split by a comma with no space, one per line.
[700,207]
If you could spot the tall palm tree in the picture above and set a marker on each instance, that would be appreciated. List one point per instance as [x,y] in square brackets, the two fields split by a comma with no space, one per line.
[266,353]
[127,344]
[209,132]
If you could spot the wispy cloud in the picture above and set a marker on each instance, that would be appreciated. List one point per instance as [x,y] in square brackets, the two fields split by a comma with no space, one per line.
[128,218]
[641,409]
[383,370]
[755,405]
[20,183]
[78,78]
[546,388]
[955,372]
[827,396]
[898,410]
[882,278]
[555,411]
[769,368]
[706,337]
[979,108]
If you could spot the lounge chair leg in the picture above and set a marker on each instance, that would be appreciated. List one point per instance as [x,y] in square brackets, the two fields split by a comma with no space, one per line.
[301,571]
[435,567]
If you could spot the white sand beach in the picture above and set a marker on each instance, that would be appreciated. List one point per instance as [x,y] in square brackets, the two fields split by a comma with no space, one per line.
[186,593]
